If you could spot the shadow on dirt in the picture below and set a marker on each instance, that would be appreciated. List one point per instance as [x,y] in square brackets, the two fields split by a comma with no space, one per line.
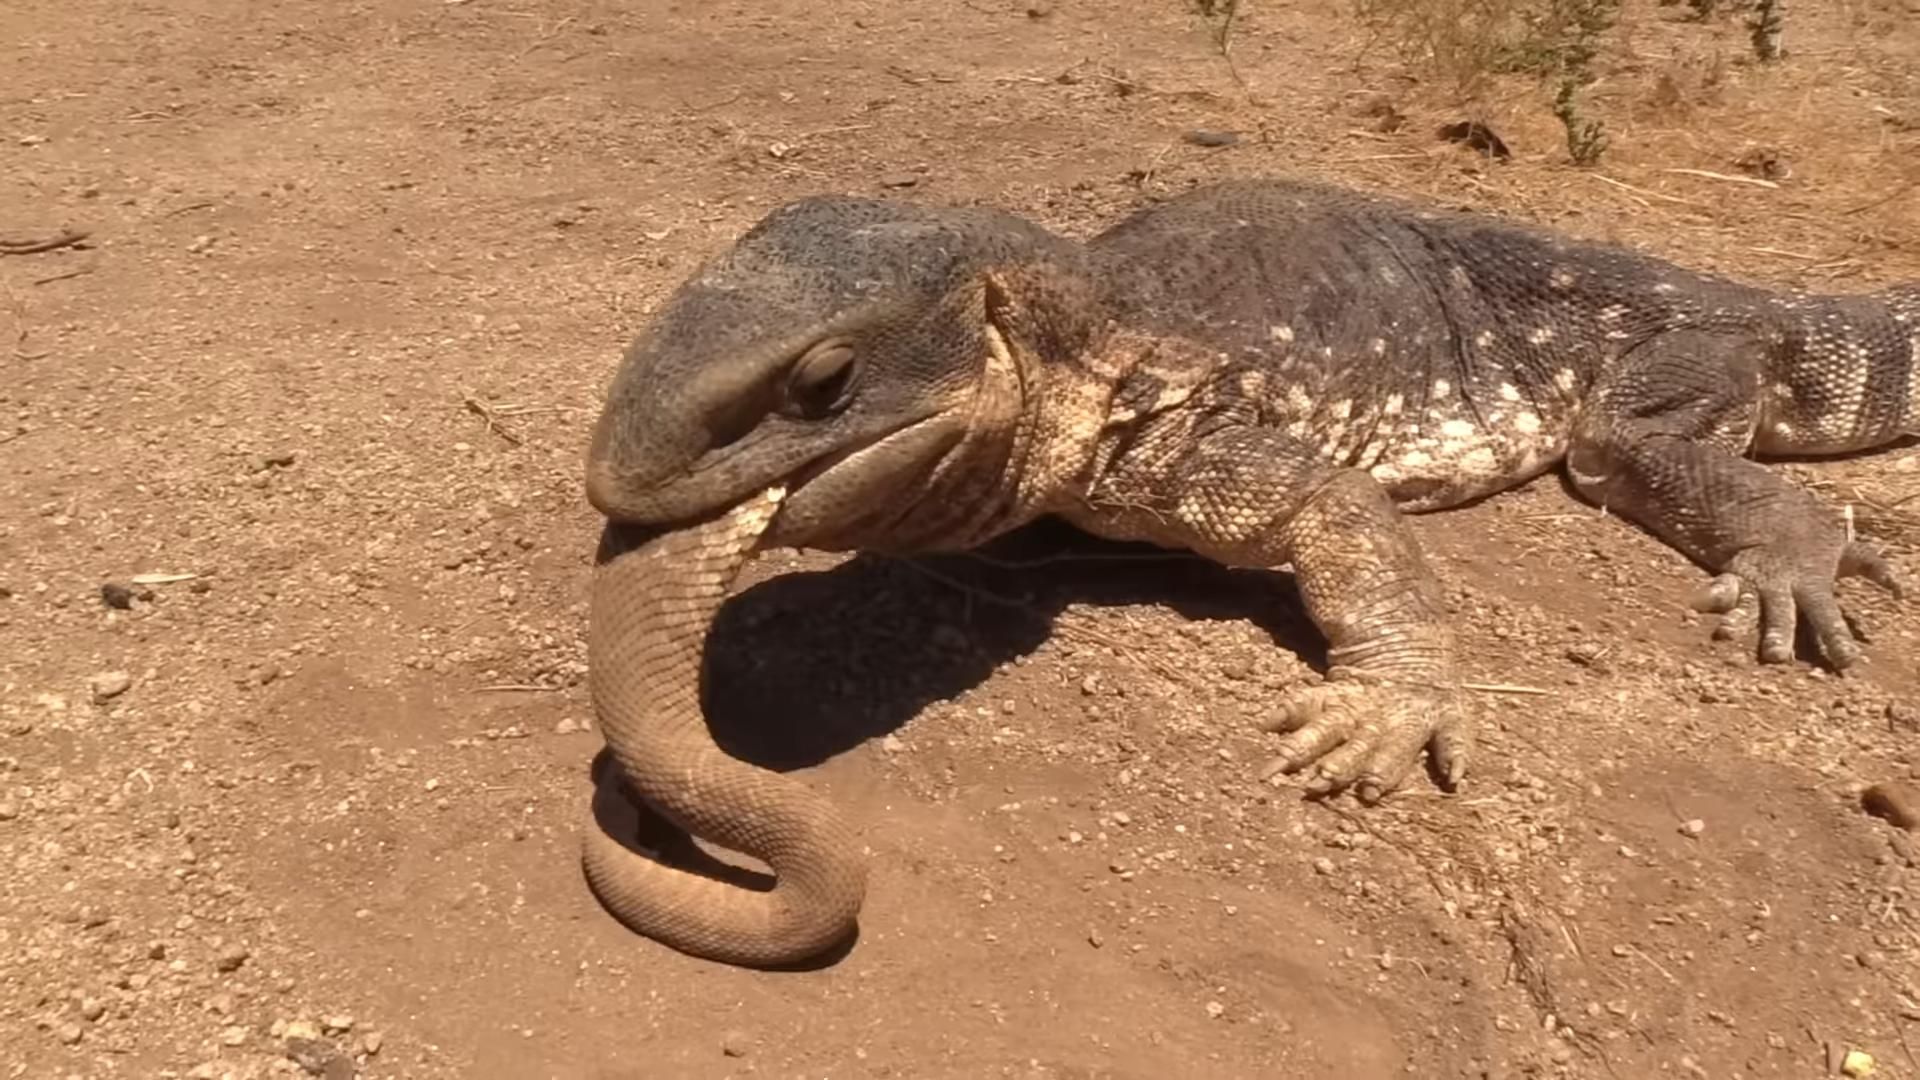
[805,666]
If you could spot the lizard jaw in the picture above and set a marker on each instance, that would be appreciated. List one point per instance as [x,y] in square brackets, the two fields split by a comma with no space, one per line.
[855,493]
[828,492]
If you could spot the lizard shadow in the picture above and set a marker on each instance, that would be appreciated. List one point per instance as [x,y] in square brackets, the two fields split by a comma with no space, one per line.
[807,665]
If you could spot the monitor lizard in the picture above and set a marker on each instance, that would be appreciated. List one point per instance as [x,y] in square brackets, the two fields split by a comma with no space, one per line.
[1267,373]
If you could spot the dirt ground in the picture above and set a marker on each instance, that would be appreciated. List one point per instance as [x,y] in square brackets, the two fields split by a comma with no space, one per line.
[356,278]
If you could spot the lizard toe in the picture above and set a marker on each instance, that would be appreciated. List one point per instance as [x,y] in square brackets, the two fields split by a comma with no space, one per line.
[1451,750]
[1722,594]
[1738,604]
[1822,612]
[1779,615]
[1861,559]
[1776,594]
[1367,739]
[1307,743]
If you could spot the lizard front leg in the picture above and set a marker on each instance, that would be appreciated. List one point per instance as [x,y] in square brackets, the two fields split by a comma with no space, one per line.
[1251,496]
[1661,443]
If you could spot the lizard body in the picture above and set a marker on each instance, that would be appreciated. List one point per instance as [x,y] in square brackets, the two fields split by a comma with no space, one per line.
[1270,374]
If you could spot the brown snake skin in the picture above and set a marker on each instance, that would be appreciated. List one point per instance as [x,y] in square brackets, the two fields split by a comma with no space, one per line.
[652,607]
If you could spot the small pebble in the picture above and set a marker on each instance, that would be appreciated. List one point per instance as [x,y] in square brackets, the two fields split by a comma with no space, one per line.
[1857,1063]
[566,726]
[317,1057]
[233,1035]
[109,685]
[309,1053]
[1199,137]
[1693,827]
[231,958]
[92,1009]
[1216,1010]
[68,1033]
[371,1042]
[1323,866]
[115,595]
[734,1043]
[9,810]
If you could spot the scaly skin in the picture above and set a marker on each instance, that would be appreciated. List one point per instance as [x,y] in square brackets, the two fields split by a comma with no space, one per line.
[1269,374]
[653,602]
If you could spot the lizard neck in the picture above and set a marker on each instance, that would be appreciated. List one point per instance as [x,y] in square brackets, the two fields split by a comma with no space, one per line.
[1028,438]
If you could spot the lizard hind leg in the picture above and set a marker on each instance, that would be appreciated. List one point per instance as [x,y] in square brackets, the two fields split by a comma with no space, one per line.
[1662,442]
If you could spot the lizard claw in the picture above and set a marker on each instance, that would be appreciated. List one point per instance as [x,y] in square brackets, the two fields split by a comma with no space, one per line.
[1771,589]
[1367,736]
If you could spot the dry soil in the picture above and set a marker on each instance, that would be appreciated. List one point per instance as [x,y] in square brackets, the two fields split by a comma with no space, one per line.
[356,276]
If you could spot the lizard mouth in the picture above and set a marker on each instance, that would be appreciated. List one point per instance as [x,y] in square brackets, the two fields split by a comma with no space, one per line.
[836,488]
[844,496]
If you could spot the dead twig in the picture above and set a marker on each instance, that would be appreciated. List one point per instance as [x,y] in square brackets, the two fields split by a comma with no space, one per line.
[19,245]
[83,271]
[1623,185]
[494,427]
[1146,174]
[913,78]
[841,130]
[20,330]
[1506,688]
[1223,35]
[1785,254]
[544,38]
[494,413]
[728,100]
[1884,199]
[1754,180]
[1355,159]
[1642,954]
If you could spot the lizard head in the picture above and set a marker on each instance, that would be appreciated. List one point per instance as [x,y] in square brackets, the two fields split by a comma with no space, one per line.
[871,356]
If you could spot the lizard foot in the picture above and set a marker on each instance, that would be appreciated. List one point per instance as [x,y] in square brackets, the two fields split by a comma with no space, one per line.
[1365,734]
[1772,586]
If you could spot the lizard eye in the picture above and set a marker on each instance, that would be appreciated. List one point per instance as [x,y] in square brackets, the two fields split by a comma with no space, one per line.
[818,383]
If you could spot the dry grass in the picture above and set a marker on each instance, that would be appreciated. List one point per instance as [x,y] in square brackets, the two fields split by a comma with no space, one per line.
[1468,42]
